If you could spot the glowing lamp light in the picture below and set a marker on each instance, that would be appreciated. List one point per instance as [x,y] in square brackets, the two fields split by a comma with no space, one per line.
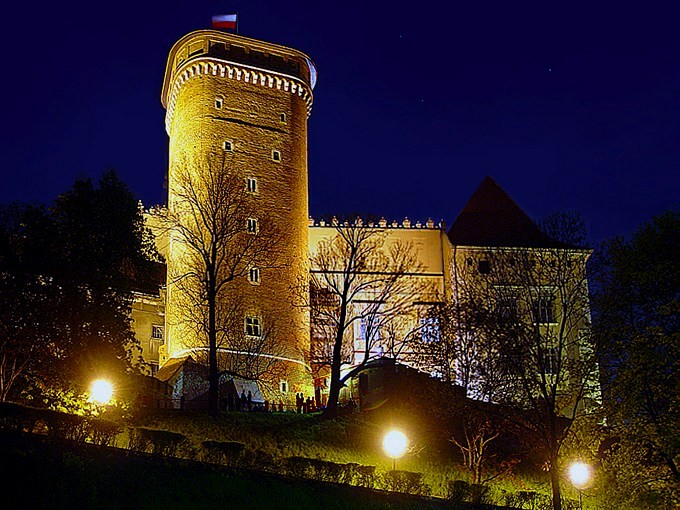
[101,391]
[395,444]
[579,473]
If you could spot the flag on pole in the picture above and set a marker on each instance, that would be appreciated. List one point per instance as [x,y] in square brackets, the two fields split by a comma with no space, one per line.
[224,21]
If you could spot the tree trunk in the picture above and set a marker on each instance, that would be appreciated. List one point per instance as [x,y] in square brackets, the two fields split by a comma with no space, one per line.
[555,483]
[213,374]
[336,364]
[336,361]
[334,392]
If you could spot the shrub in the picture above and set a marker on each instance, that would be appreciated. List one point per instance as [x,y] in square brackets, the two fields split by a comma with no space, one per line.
[458,491]
[59,425]
[138,442]
[365,476]
[65,426]
[298,466]
[222,452]
[406,481]
[356,474]
[325,471]
[17,417]
[528,499]
[480,494]
[158,442]
[257,460]
[102,432]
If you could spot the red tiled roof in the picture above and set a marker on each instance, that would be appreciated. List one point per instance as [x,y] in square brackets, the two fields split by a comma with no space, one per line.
[492,218]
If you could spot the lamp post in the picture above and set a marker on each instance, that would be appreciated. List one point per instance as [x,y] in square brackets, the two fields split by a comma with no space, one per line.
[394,445]
[101,392]
[579,473]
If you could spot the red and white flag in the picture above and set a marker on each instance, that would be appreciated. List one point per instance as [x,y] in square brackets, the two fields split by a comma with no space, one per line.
[224,21]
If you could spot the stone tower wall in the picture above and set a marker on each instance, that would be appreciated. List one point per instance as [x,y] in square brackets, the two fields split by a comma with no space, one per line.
[221,87]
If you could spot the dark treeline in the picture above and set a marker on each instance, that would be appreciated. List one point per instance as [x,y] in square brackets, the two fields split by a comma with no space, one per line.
[67,272]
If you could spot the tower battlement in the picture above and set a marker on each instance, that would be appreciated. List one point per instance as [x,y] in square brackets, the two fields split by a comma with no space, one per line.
[381,223]
[209,52]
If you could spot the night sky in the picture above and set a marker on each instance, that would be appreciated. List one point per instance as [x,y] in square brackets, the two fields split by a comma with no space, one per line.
[566,107]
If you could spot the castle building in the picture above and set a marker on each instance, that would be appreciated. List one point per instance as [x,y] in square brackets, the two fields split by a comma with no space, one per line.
[236,112]
[236,117]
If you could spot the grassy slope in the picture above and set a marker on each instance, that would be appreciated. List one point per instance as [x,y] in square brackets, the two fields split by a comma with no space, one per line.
[343,440]
[39,474]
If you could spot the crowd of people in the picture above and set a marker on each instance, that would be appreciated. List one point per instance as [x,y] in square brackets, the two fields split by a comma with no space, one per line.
[244,403]
[234,402]
[304,405]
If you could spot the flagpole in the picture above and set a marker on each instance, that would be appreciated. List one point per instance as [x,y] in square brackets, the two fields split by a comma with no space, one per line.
[236,22]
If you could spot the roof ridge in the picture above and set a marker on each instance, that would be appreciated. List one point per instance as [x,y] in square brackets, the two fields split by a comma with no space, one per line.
[492,218]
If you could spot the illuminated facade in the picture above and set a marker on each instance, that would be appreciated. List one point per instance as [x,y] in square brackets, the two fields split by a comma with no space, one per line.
[248,102]
[245,103]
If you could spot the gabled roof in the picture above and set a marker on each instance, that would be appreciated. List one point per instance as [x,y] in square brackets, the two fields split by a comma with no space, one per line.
[171,367]
[492,218]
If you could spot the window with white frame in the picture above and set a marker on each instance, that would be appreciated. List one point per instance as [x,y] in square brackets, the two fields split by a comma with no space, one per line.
[276,156]
[219,102]
[228,146]
[367,338]
[369,329]
[429,329]
[251,184]
[506,305]
[157,331]
[253,326]
[252,225]
[544,310]
[254,275]
[550,361]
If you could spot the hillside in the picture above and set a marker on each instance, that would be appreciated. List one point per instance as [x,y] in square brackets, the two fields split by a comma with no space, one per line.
[41,473]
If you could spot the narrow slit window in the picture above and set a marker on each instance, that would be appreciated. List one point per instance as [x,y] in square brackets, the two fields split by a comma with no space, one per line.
[219,102]
[254,275]
[251,185]
[252,225]
[157,331]
[276,156]
[283,117]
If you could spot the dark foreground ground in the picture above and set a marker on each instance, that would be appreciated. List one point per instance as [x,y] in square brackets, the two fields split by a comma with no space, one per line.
[36,473]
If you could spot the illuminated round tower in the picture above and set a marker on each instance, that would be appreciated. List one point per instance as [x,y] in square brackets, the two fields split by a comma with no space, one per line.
[228,96]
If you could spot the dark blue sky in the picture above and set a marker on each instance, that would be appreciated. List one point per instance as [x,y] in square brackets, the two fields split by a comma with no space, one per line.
[567,107]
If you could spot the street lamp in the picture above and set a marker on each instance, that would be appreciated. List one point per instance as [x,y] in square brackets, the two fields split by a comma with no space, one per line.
[579,473]
[394,445]
[101,392]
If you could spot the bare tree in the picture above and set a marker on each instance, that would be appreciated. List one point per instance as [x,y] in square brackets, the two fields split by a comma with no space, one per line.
[544,346]
[458,344]
[517,332]
[478,432]
[359,279]
[248,355]
[216,244]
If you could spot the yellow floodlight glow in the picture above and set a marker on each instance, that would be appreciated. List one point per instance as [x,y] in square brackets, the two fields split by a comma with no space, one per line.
[395,444]
[579,473]
[101,392]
